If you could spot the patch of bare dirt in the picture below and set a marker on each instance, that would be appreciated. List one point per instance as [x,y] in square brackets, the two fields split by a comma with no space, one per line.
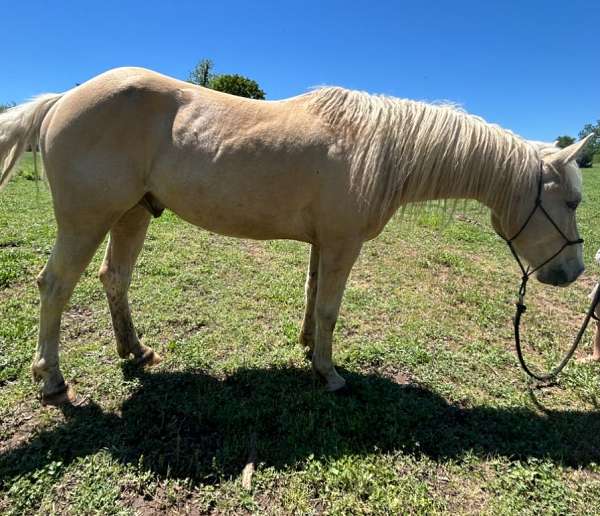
[461,496]
[398,376]
[161,502]
[255,248]
[20,427]
[184,326]
[78,321]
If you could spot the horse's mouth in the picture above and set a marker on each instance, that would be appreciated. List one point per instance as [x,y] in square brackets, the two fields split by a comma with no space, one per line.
[558,277]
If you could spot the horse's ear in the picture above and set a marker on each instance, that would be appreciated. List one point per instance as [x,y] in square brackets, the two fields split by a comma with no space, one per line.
[569,153]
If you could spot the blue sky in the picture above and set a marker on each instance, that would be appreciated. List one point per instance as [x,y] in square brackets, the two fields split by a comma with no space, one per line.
[532,66]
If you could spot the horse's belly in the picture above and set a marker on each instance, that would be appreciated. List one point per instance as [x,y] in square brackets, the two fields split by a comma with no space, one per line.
[234,222]
[258,209]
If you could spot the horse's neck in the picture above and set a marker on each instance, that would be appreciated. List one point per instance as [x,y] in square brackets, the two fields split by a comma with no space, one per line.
[488,183]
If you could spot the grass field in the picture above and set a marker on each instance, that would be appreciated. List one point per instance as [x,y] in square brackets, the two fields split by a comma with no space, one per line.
[440,418]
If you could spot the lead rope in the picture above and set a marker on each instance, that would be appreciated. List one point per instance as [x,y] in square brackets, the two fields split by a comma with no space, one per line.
[520,304]
[521,308]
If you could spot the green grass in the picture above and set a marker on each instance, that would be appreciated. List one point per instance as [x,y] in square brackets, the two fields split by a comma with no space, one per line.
[440,419]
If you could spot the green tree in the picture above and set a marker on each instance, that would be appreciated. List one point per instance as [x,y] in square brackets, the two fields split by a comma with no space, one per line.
[4,107]
[233,84]
[564,141]
[593,146]
[237,85]
[201,74]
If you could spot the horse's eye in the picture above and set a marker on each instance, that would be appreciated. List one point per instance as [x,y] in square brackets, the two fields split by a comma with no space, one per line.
[572,205]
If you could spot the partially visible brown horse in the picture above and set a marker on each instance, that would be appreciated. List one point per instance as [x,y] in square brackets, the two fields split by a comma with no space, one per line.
[328,168]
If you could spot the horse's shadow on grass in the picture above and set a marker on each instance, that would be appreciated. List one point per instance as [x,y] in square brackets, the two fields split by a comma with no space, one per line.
[189,424]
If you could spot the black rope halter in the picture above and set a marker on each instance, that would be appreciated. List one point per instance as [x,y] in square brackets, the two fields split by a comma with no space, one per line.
[526,274]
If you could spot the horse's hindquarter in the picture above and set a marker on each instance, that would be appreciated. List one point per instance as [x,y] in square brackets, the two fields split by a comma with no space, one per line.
[251,169]
[99,139]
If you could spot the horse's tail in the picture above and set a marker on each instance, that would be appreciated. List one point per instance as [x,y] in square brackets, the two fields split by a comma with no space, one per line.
[19,128]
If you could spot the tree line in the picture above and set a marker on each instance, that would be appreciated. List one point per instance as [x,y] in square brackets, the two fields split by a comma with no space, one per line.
[4,107]
[234,84]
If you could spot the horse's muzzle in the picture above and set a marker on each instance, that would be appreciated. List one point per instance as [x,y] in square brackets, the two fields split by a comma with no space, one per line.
[559,277]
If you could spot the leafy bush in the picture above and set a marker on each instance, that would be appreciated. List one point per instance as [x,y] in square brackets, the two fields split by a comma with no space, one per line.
[234,84]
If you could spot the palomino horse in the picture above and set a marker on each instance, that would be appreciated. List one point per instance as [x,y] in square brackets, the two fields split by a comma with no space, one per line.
[329,168]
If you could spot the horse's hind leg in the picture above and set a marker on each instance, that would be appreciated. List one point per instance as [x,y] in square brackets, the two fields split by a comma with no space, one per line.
[73,250]
[307,334]
[125,243]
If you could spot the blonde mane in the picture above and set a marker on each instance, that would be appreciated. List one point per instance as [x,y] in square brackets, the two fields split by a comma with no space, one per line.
[404,151]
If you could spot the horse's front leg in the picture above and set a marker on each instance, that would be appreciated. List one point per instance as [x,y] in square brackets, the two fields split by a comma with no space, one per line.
[335,264]
[307,334]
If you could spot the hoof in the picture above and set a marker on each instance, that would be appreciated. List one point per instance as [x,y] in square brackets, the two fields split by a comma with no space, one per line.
[333,381]
[336,385]
[148,358]
[342,391]
[65,396]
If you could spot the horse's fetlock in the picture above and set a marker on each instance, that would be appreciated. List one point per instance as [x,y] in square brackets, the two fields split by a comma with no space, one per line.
[42,280]
[307,339]
[103,273]
[39,369]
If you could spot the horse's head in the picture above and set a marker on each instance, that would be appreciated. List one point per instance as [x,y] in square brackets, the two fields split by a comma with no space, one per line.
[537,239]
